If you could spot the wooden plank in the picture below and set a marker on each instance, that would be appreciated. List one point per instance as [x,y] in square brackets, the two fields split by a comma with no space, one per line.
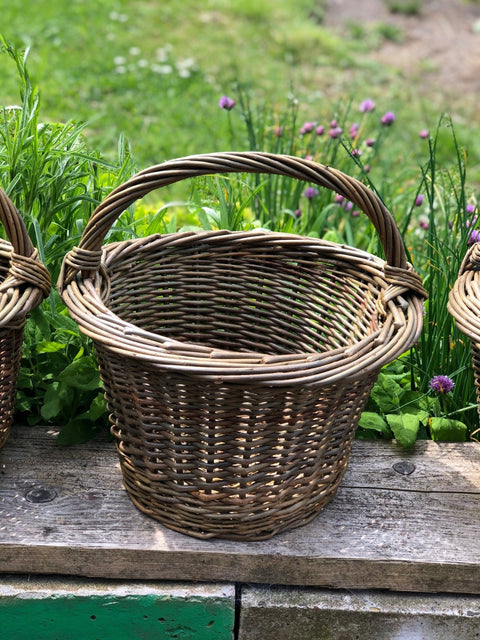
[67,609]
[304,614]
[383,530]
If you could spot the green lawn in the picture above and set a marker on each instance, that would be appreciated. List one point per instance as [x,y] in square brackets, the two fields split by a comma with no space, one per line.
[155,70]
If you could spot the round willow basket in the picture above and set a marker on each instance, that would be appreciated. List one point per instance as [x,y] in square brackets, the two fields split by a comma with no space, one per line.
[464,306]
[24,282]
[236,364]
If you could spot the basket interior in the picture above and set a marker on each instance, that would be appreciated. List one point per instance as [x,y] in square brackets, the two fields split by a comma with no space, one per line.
[262,298]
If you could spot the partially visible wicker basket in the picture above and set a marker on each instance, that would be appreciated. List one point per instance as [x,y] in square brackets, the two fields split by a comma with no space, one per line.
[236,364]
[464,306]
[24,282]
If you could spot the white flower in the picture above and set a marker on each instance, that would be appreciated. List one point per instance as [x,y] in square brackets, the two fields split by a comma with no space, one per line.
[164,69]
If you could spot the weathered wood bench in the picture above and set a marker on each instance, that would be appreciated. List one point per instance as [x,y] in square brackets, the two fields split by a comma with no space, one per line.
[394,555]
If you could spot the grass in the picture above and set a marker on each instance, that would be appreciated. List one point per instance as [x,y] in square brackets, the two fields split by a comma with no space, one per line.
[155,72]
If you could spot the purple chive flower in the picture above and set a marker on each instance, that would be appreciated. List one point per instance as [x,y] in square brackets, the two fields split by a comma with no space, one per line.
[388,118]
[348,206]
[470,208]
[310,193]
[473,237]
[419,200]
[471,222]
[334,132]
[333,124]
[367,105]
[297,213]
[226,103]
[356,153]
[441,384]
[306,128]
[423,224]
[338,199]
[366,168]
[424,133]
[370,142]
[353,130]
[355,213]
[320,130]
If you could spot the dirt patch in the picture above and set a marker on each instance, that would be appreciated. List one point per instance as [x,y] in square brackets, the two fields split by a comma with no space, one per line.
[440,49]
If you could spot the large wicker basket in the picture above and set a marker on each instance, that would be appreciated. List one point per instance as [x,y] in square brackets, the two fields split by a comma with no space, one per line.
[24,282]
[464,306]
[236,364]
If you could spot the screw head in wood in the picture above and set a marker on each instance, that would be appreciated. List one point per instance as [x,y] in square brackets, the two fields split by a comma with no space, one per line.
[40,494]
[405,468]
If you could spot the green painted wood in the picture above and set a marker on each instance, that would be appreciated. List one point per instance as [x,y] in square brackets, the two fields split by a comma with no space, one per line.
[52,611]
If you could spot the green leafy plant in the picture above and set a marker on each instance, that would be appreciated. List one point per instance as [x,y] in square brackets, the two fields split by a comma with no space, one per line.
[55,181]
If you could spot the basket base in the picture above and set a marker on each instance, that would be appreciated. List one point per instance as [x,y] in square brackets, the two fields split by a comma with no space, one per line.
[253,522]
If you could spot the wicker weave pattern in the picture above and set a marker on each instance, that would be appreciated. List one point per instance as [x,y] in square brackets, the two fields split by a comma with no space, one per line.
[464,305]
[24,282]
[236,365]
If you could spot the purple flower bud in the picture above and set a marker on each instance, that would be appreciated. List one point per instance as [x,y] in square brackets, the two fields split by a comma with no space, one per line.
[353,130]
[470,208]
[471,222]
[348,206]
[333,124]
[370,142]
[424,133]
[338,199]
[355,213]
[473,237]
[226,103]
[356,153]
[310,193]
[388,118]
[320,130]
[335,132]
[419,200]
[366,168]
[441,384]
[367,105]
[297,213]
[307,128]
[423,224]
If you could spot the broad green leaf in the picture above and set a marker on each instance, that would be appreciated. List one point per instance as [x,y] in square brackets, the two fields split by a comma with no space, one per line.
[50,347]
[387,393]
[98,408]
[52,404]
[41,322]
[82,374]
[447,430]
[370,420]
[76,431]
[58,398]
[405,428]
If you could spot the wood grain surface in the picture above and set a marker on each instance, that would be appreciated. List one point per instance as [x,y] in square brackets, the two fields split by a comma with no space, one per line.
[383,530]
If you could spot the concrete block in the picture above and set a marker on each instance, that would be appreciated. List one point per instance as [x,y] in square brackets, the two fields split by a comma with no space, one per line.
[315,614]
[52,609]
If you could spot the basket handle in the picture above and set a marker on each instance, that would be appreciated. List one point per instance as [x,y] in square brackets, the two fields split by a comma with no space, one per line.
[25,265]
[87,256]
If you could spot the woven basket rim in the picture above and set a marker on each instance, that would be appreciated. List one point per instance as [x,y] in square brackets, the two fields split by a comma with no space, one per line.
[464,304]
[27,281]
[84,300]
[402,301]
